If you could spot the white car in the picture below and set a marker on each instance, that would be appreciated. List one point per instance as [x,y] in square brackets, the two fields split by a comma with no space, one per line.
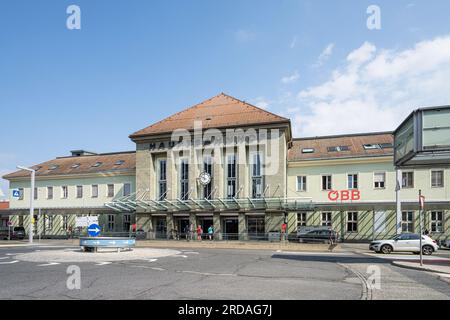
[405,242]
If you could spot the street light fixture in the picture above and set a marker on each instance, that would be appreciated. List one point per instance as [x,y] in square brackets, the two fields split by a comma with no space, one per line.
[33,173]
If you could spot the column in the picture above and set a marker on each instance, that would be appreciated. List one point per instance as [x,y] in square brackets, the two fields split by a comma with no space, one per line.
[242,227]
[217,227]
[170,225]
[144,222]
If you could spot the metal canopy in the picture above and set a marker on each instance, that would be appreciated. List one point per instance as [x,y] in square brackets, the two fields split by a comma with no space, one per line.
[140,202]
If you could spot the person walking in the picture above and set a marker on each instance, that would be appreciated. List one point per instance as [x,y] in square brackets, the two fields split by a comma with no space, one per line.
[210,232]
[199,233]
[187,232]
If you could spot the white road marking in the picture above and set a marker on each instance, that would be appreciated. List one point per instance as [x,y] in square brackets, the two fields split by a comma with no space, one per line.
[190,252]
[152,260]
[158,269]
[48,264]
[3,258]
[9,262]
[12,254]
[103,263]
[180,255]
[209,274]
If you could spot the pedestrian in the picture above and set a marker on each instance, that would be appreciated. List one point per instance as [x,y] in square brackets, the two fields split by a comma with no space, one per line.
[187,232]
[210,232]
[199,233]
[283,231]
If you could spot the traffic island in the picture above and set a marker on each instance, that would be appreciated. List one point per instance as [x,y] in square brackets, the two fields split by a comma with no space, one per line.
[427,266]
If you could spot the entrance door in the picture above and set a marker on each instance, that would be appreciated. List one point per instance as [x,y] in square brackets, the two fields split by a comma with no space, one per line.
[231,229]
[182,223]
[161,228]
[256,228]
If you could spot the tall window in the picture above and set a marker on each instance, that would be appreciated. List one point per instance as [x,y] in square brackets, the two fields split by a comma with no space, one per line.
[20,193]
[352,221]
[208,167]
[301,219]
[162,180]
[49,193]
[64,192]
[111,222]
[126,189]
[379,179]
[35,193]
[95,191]
[257,179]
[352,181]
[301,183]
[65,222]
[184,180]
[126,222]
[407,221]
[408,179]
[231,176]
[437,221]
[79,192]
[50,222]
[326,219]
[326,182]
[110,190]
[437,179]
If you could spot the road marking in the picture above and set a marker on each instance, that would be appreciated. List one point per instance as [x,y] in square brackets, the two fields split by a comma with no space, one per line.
[49,264]
[12,254]
[152,260]
[208,274]
[9,262]
[103,263]
[158,269]
[180,255]
[3,258]
[191,252]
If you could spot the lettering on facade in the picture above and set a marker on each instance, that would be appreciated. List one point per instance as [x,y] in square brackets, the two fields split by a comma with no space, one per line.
[344,195]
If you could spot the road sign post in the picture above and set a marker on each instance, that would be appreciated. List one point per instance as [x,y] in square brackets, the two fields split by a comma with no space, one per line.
[421,205]
[33,173]
[94,230]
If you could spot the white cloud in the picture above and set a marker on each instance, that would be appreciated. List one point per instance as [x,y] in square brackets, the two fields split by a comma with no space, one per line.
[292,78]
[293,42]
[323,57]
[376,89]
[243,35]
[261,102]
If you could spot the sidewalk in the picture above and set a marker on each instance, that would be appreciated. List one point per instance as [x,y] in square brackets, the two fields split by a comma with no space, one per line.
[443,271]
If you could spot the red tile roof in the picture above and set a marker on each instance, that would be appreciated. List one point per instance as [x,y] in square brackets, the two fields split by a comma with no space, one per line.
[218,112]
[355,142]
[82,165]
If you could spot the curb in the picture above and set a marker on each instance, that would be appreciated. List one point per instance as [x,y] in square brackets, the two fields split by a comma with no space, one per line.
[399,264]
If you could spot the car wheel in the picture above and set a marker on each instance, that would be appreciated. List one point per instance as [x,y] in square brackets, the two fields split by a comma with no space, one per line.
[386,249]
[427,250]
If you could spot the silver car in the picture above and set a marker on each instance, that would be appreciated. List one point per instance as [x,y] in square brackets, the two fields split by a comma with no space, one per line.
[405,242]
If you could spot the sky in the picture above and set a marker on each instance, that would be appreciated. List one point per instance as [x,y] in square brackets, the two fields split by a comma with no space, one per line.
[135,62]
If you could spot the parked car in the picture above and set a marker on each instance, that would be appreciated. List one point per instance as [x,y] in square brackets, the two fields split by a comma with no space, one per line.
[319,236]
[17,233]
[405,242]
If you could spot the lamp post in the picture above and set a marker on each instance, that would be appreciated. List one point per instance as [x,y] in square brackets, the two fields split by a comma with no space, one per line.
[33,172]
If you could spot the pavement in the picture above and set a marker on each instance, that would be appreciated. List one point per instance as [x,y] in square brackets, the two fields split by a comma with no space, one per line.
[43,271]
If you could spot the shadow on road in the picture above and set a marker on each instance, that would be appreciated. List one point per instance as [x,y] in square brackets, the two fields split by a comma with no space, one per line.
[332,259]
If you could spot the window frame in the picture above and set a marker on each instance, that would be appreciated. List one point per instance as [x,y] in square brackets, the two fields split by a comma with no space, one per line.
[354,222]
[408,222]
[330,181]
[184,179]
[304,184]
[384,180]
[108,189]
[353,175]
[434,221]
[80,192]
[64,192]
[231,180]
[301,221]
[412,185]
[50,193]
[328,221]
[94,196]
[443,178]
[124,189]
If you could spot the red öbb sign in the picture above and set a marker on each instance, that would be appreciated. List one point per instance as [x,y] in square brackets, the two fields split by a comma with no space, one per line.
[344,195]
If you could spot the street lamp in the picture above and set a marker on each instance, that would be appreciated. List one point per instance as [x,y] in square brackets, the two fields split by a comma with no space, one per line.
[33,172]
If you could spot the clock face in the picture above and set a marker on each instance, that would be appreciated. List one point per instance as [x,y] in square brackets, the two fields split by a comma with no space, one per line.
[205,178]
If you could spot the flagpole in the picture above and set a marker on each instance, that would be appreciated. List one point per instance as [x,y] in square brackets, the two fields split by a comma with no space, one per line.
[420,223]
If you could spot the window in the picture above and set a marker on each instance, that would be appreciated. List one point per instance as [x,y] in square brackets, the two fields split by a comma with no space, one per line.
[79,192]
[184,180]
[208,168]
[126,222]
[407,221]
[94,191]
[257,179]
[162,179]
[64,192]
[49,193]
[326,182]
[126,189]
[53,167]
[256,227]
[97,164]
[65,222]
[326,219]
[437,178]
[301,219]
[387,145]
[50,222]
[301,183]
[111,222]
[371,146]
[352,221]
[307,150]
[437,221]
[20,193]
[339,148]
[408,179]
[231,176]
[352,181]
[119,162]
[379,180]
[36,193]
[75,166]
[110,190]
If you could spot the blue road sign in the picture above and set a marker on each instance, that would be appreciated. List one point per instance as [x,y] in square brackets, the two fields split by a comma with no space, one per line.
[94,230]
[16,193]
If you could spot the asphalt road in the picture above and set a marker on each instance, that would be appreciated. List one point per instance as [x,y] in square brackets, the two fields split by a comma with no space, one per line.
[217,274]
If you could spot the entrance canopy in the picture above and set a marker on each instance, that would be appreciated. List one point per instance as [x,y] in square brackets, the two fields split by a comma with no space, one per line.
[140,201]
[423,139]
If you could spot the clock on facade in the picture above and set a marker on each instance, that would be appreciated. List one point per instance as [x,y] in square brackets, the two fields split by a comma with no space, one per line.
[204,178]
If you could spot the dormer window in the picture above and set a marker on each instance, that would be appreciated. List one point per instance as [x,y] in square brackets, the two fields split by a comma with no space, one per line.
[338,149]
[119,162]
[97,164]
[53,167]
[386,145]
[307,150]
[75,166]
[371,146]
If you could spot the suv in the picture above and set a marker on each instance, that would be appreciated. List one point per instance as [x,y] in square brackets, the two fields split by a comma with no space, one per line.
[320,235]
[17,233]
[405,242]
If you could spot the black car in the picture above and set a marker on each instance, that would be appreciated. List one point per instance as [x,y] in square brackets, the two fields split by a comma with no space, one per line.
[17,233]
[319,236]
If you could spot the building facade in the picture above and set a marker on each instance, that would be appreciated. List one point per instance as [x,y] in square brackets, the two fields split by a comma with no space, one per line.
[229,165]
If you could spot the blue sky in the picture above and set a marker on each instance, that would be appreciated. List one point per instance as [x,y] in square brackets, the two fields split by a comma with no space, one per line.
[136,62]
